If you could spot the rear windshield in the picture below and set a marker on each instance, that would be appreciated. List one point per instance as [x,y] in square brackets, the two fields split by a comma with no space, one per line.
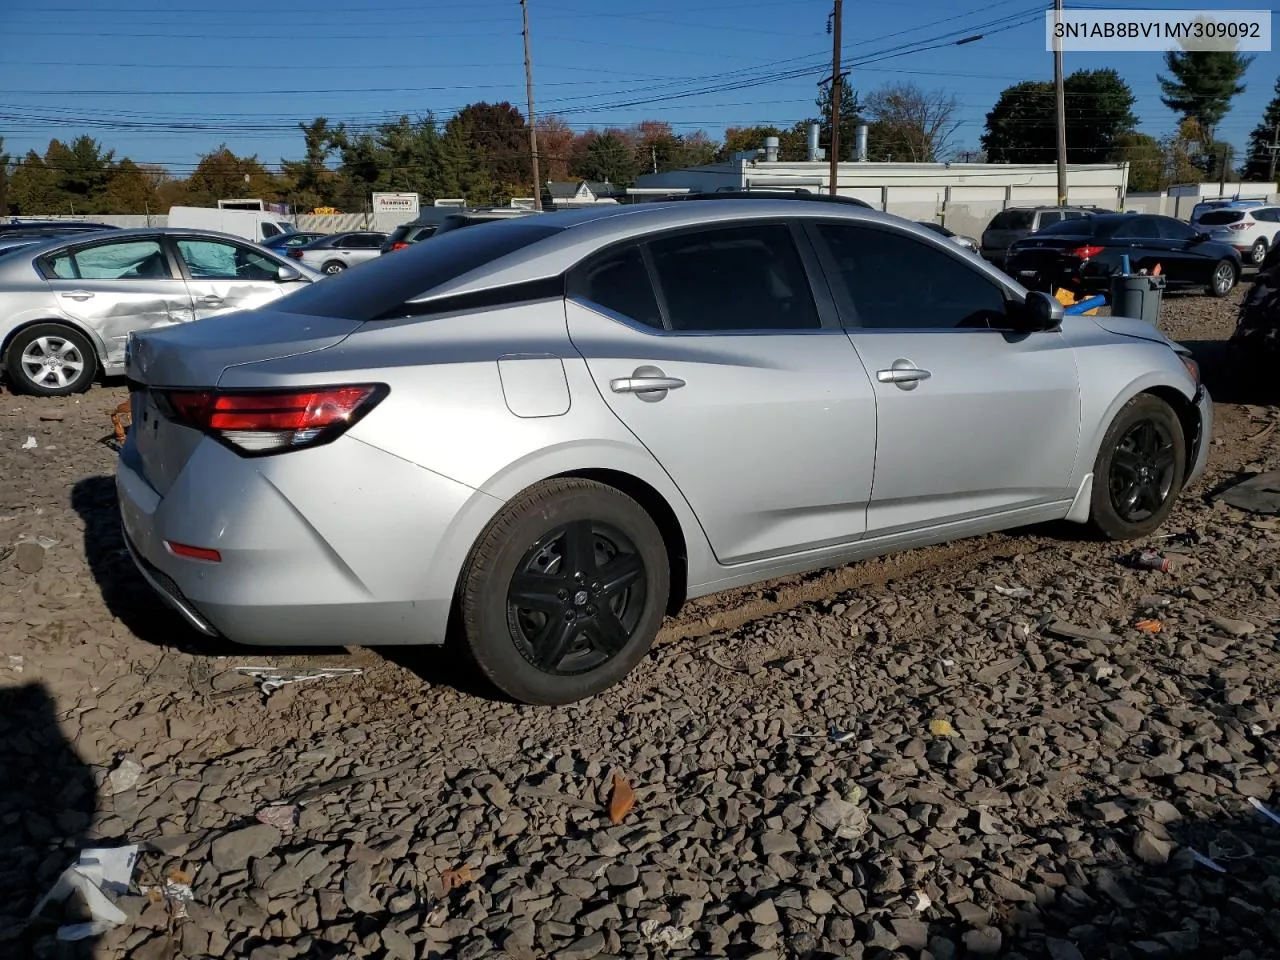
[1216,218]
[1077,227]
[1011,220]
[384,284]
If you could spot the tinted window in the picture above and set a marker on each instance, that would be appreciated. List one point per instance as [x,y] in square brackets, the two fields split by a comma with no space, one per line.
[1136,228]
[216,260]
[381,286]
[363,241]
[1011,220]
[735,278]
[897,282]
[1171,229]
[132,260]
[619,281]
[1049,217]
[1217,218]
[270,230]
[1269,214]
[1080,227]
[1073,214]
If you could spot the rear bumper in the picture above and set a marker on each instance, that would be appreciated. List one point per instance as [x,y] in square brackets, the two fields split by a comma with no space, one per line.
[343,546]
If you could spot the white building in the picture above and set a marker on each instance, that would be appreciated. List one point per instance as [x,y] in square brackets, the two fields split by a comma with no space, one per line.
[964,196]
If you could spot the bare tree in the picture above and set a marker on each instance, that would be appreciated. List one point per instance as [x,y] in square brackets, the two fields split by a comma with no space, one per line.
[908,124]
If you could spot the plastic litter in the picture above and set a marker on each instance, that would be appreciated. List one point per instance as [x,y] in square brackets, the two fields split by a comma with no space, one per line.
[836,735]
[271,679]
[662,934]
[15,662]
[30,444]
[1149,560]
[1013,593]
[941,728]
[1149,626]
[176,892]
[1263,809]
[1205,861]
[919,901]
[621,799]
[100,870]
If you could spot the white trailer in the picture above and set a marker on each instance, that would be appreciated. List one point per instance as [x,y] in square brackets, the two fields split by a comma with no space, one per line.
[255,225]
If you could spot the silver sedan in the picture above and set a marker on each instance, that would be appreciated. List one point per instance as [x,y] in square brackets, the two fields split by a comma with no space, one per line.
[551,432]
[338,251]
[67,304]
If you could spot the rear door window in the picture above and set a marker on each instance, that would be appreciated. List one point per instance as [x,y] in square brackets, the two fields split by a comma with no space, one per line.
[1049,218]
[128,260]
[1137,228]
[618,281]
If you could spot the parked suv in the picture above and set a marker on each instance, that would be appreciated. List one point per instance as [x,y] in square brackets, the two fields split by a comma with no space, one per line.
[1251,230]
[1013,224]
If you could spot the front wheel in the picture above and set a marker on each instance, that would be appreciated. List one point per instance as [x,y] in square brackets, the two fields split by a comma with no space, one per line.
[1223,280]
[50,360]
[1139,469]
[564,591]
[334,266]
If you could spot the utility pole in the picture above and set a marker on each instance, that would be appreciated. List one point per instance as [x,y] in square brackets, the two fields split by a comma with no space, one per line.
[1222,174]
[1060,108]
[837,16]
[1275,149]
[533,127]
[653,152]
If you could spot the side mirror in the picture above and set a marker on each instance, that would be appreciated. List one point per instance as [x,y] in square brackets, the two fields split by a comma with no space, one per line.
[1041,312]
[1201,237]
[287,273]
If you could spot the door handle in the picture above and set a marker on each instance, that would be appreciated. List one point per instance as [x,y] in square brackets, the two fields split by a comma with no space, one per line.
[904,373]
[79,295]
[647,383]
[212,300]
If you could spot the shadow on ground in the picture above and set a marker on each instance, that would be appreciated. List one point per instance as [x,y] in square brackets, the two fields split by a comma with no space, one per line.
[48,800]
[1234,377]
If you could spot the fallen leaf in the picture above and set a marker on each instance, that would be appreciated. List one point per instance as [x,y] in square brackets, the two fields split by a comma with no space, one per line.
[941,728]
[1149,626]
[622,799]
[456,877]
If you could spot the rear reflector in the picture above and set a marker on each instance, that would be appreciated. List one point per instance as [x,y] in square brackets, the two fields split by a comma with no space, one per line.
[193,553]
[255,422]
[1084,253]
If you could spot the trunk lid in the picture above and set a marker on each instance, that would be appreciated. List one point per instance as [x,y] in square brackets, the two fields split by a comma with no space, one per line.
[194,355]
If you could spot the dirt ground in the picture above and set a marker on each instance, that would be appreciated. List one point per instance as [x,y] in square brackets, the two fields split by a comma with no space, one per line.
[795,796]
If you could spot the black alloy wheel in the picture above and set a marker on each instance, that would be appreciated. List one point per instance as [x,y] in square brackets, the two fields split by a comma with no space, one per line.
[576,598]
[1142,471]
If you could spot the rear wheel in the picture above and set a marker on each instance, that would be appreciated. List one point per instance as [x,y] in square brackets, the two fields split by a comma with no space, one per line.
[1224,278]
[50,360]
[564,591]
[1258,252]
[1139,469]
[334,266]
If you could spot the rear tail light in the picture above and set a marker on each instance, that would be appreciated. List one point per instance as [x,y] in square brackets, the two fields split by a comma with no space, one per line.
[399,245]
[257,422]
[295,253]
[1084,253]
[1241,225]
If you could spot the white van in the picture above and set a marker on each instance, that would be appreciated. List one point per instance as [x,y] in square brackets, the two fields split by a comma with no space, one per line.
[255,225]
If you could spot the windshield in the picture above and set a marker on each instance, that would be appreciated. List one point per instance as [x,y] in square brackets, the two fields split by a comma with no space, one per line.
[382,285]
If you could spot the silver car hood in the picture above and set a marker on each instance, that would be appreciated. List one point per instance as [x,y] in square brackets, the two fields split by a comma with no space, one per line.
[1131,327]
[196,354]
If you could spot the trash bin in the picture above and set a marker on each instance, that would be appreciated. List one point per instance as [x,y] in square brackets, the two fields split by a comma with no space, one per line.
[1137,295]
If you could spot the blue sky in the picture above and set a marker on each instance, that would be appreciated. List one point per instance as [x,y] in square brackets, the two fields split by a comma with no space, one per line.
[166,80]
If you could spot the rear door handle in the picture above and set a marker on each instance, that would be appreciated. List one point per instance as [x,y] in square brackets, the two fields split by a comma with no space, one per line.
[79,295]
[904,373]
[647,383]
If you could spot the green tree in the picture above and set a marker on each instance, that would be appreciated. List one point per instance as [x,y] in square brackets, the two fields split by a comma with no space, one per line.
[1259,163]
[738,139]
[609,157]
[1099,110]
[500,141]
[1146,161]
[850,117]
[129,190]
[1202,84]
[309,182]
[33,188]
[221,175]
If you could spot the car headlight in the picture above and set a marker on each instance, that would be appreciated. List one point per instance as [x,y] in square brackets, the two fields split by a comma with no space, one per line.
[1193,368]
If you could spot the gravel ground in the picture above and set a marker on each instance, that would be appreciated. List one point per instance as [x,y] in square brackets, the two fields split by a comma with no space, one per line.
[965,751]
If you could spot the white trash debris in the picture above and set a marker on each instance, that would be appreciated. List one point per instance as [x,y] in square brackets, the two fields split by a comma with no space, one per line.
[30,444]
[15,662]
[176,892]
[1013,593]
[665,935]
[919,901]
[271,679]
[1205,861]
[123,777]
[99,869]
[1264,810]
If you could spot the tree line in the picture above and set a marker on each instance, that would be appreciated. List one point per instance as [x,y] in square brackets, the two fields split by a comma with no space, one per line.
[481,153]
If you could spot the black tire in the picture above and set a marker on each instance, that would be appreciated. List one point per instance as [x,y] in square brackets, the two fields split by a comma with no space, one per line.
[73,374]
[1258,252]
[333,266]
[1128,503]
[1218,287]
[531,537]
